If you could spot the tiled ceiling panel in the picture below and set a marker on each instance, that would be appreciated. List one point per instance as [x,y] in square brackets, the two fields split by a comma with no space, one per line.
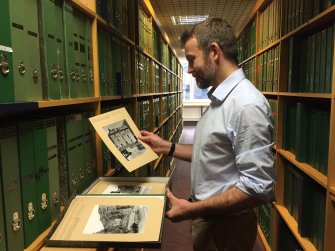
[233,11]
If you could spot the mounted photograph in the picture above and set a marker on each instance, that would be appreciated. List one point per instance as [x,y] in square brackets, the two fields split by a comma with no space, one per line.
[110,220]
[120,134]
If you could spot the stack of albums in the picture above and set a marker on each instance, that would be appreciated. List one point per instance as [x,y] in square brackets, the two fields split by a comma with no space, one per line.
[116,211]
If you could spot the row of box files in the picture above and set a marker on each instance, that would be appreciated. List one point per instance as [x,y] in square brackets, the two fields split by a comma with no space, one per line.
[114,65]
[144,31]
[46,51]
[263,72]
[43,162]
[116,14]
[311,62]
[306,133]
[306,202]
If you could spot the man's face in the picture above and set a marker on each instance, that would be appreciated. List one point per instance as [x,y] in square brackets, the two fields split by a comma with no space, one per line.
[199,64]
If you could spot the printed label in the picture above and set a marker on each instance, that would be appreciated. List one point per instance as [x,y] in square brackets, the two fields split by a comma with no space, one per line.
[5,48]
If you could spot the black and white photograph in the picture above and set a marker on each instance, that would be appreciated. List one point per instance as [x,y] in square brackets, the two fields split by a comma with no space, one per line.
[126,189]
[116,219]
[124,139]
[120,134]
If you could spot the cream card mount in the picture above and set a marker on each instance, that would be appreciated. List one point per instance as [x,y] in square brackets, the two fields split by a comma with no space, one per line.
[129,185]
[110,221]
[120,134]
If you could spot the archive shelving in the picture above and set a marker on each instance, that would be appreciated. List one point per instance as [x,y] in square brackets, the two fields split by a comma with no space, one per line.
[79,59]
[287,49]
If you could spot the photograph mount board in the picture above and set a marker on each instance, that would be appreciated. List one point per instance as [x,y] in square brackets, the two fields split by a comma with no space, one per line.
[120,134]
[107,221]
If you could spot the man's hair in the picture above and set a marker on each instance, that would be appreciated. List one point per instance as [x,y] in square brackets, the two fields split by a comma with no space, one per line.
[214,30]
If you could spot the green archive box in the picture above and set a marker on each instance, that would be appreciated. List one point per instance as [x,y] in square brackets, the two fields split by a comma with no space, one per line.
[117,76]
[6,60]
[89,58]
[101,53]
[42,175]
[78,47]
[19,52]
[11,188]
[54,190]
[74,145]
[51,23]
[81,52]
[89,149]
[126,70]
[71,46]
[2,222]
[28,187]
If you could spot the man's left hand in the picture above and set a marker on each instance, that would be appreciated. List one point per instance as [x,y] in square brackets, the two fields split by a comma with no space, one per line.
[180,209]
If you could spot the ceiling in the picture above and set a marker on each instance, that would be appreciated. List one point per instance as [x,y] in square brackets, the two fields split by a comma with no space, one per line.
[233,11]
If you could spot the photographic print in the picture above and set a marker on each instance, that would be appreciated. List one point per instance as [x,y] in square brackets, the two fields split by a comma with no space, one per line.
[128,185]
[124,139]
[110,220]
[120,134]
[126,189]
[116,220]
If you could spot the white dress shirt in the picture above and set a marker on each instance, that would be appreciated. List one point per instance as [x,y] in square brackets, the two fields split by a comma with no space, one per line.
[233,142]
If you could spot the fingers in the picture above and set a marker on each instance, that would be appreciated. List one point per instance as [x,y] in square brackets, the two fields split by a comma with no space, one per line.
[145,133]
[170,196]
[145,136]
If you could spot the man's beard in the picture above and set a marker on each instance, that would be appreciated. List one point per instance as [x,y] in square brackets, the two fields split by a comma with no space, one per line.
[205,77]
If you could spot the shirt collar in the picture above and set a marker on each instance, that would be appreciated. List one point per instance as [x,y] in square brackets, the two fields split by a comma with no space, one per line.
[219,94]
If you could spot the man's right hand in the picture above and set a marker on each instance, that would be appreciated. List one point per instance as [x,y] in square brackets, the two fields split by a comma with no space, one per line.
[157,144]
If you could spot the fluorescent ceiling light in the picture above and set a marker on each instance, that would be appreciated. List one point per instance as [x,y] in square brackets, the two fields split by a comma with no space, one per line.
[182,20]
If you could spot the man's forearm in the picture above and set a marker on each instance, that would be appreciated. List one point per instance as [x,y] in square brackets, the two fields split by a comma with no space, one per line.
[183,152]
[232,201]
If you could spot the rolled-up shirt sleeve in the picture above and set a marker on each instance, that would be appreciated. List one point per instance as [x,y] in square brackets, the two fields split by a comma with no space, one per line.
[252,138]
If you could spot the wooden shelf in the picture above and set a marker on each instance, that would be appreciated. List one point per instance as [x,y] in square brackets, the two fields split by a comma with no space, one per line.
[270,93]
[248,59]
[63,102]
[39,242]
[110,172]
[67,249]
[309,170]
[332,190]
[17,107]
[306,95]
[110,98]
[84,8]
[263,239]
[158,161]
[293,226]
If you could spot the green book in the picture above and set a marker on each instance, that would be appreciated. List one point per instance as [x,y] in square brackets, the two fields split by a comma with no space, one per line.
[329,58]
[288,188]
[52,151]
[301,133]
[311,69]
[2,222]
[41,170]
[318,48]
[323,61]
[11,188]
[28,181]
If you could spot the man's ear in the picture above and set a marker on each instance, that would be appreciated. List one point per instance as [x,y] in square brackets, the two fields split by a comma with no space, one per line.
[216,51]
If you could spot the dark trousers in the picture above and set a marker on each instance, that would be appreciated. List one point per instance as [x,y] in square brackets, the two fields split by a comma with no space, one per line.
[225,233]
